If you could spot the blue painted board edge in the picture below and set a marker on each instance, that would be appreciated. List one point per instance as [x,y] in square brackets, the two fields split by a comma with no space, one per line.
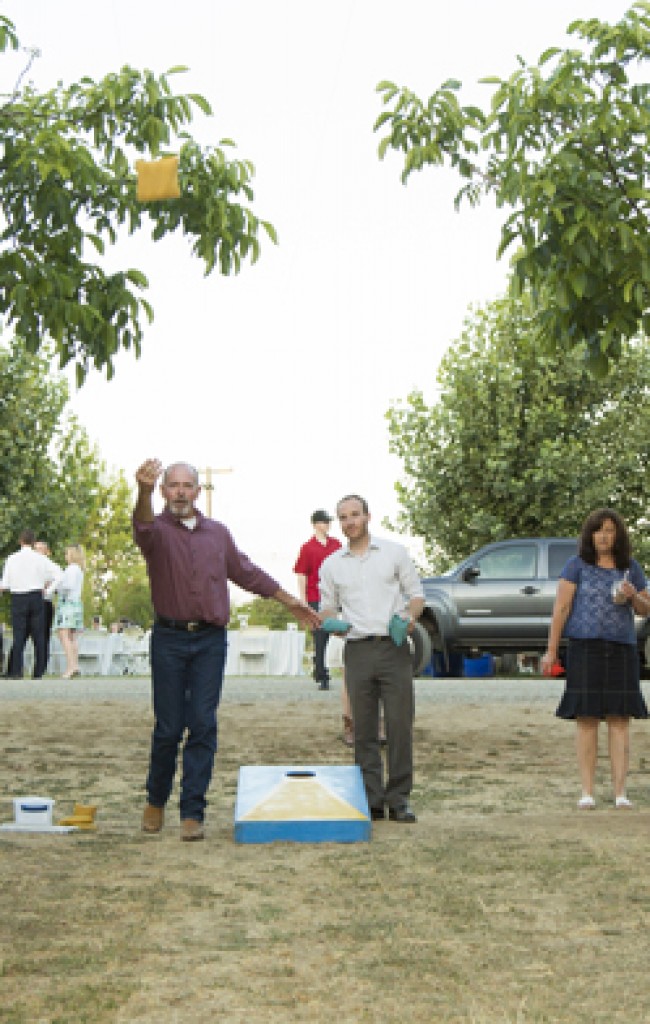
[330,831]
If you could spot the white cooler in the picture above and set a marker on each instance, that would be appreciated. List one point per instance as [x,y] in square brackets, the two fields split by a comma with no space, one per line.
[33,810]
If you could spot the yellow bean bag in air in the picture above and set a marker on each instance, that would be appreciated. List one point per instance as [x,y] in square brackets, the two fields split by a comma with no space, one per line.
[157,179]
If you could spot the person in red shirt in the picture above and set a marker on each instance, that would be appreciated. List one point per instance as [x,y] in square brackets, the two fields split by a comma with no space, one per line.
[310,558]
[307,568]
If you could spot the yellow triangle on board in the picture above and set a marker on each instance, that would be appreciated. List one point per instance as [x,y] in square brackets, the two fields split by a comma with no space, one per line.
[300,798]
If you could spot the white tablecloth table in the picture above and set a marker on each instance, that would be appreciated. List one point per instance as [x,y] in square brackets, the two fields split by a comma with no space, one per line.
[334,652]
[251,652]
[99,654]
[271,652]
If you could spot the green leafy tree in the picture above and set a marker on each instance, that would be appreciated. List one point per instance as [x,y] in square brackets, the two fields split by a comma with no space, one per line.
[520,442]
[57,484]
[112,557]
[67,188]
[261,612]
[51,471]
[128,596]
[563,147]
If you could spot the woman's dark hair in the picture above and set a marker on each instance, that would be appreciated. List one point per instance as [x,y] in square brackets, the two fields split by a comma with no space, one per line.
[592,523]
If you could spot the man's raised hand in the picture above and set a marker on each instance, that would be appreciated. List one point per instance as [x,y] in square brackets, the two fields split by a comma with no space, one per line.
[148,473]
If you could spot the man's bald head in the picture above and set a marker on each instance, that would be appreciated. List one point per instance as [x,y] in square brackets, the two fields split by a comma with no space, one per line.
[181,465]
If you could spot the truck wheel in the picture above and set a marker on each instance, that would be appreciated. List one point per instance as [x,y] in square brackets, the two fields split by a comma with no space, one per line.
[421,648]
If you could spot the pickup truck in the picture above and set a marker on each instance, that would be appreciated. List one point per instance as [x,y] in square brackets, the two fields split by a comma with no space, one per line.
[499,600]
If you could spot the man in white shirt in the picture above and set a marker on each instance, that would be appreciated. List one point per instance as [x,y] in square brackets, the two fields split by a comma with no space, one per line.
[25,575]
[56,572]
[371,580]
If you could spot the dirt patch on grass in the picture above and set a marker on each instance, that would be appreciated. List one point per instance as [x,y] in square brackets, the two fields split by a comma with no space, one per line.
[503,904]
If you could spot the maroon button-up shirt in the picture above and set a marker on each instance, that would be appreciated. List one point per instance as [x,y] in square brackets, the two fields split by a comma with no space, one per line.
[189,569]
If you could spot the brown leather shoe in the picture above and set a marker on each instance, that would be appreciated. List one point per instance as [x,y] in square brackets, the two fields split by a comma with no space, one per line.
[152,819]
[348,731]
[191,830]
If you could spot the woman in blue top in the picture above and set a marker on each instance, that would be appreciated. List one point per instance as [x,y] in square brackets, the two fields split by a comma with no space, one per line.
[598,592]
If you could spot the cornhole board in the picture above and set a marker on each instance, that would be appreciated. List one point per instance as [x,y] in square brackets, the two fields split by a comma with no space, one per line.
[301,804]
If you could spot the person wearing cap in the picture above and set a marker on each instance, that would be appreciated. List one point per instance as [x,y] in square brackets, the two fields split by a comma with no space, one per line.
[310,558]
[190,559]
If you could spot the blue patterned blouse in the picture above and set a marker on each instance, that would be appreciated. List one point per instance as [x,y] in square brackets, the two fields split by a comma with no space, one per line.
[594,616]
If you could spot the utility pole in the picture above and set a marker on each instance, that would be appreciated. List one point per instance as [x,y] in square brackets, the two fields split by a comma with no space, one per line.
[208,486]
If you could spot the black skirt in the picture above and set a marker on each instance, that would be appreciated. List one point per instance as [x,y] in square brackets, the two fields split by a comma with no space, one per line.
[602,678]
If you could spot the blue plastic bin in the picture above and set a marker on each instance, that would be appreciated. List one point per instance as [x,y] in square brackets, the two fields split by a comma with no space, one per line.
[476,667]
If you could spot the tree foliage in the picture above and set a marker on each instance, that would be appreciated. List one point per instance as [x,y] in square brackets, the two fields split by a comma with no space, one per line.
[67,188]
[521,442]
[51,470]
[261,612]
[563,146]
[57,484]
[115,571]
[128,596]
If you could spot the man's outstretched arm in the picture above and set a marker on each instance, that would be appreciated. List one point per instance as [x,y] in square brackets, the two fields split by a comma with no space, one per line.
[305,615]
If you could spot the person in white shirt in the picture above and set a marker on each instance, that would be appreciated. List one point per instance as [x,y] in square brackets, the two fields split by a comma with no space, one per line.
[69,614]
[372,580]
[25,575]
[43,548]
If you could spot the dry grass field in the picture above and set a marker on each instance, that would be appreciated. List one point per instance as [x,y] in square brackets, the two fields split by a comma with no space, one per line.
[503,905]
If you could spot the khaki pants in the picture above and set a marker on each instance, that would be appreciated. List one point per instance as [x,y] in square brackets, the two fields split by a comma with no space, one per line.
[376,670]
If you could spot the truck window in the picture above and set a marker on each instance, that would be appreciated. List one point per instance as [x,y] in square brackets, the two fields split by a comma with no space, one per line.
[558,556]
[515,562]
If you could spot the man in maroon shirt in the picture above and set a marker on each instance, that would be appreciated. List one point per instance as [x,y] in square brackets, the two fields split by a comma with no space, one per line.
[190,559]
[310,558]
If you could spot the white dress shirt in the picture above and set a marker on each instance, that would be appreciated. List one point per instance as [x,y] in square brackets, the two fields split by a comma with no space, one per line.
[369,588]
[28,570]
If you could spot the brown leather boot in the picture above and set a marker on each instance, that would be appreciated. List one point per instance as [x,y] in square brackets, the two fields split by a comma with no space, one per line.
[348,731]
[191,830]
[152,819]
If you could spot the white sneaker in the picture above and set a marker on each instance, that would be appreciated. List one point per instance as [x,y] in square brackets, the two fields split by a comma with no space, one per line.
[622,801]
[586,803]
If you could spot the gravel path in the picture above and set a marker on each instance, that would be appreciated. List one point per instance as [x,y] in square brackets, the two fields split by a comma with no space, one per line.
[241,690]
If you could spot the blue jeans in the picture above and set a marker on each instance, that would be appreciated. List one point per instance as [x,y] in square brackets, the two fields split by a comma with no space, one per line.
[187,675]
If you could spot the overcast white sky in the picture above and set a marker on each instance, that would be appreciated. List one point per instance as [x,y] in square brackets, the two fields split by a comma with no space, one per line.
[285,372]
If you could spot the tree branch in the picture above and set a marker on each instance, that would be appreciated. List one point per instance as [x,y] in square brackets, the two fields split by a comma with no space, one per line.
[33,52]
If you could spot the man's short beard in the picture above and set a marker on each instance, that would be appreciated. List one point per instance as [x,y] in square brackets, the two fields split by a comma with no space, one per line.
[186,510]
